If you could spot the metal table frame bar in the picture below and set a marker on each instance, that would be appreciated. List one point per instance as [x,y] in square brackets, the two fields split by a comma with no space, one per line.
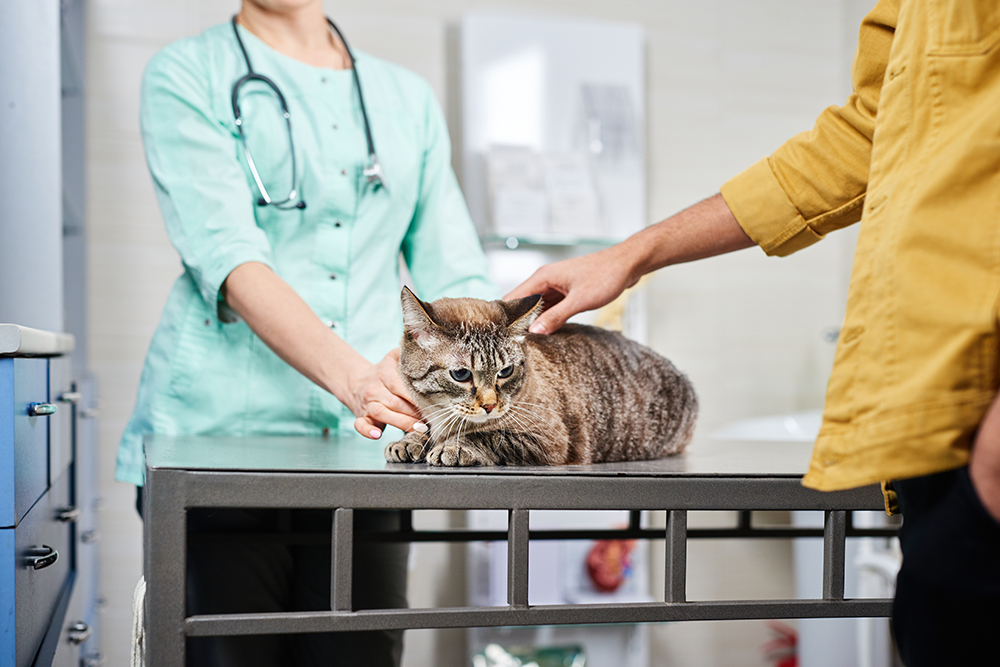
[171,492]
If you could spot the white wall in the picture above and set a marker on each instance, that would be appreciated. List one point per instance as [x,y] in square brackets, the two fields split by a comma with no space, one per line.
[728,80]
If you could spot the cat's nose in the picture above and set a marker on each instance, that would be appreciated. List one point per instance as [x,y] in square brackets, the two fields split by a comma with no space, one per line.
[489,407]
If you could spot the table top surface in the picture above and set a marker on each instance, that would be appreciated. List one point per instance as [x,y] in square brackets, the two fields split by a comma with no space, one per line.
[705,457]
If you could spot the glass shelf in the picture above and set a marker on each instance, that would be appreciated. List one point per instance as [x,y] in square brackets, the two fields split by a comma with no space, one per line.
[544,240]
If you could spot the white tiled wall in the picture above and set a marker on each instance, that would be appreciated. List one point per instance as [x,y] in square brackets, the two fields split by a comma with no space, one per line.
[728,80]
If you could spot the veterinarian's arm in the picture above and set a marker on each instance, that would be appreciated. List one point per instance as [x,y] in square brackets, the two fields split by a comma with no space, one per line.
[583,283]
[279,316]
[984,460]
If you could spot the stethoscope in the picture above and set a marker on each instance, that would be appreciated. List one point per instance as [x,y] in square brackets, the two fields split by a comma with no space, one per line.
[373,172]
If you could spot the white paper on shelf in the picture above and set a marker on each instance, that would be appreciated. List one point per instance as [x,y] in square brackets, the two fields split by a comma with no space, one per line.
[517,191]
[574,209]
[519,211]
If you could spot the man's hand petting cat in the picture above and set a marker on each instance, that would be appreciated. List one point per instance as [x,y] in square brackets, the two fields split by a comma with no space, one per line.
[379,398]
[575,285]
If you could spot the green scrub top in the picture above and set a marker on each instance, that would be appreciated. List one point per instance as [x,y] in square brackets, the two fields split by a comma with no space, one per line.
[206,372]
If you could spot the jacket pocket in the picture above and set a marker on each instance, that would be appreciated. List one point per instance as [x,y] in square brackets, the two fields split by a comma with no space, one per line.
[197,338]
[963,27]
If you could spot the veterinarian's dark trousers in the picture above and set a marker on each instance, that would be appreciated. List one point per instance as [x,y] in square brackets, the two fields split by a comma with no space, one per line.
[947,606]
[233,577]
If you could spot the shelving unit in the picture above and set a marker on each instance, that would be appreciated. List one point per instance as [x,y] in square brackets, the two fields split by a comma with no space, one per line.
[545,242]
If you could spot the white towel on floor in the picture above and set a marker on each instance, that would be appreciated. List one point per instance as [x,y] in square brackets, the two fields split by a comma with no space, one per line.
[139,624]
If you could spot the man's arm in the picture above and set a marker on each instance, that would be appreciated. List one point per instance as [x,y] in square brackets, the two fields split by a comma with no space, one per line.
[813,184]
[271,308]
[583,283]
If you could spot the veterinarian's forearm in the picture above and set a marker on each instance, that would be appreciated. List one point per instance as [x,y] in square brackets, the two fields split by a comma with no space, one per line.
[286,324]
[704,230]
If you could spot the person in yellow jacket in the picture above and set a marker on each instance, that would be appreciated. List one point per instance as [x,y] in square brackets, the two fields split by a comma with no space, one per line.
[913,402]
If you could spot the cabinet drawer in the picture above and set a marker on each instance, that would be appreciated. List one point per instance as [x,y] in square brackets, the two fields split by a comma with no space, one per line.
[36,591]
[24,438]
[61,424]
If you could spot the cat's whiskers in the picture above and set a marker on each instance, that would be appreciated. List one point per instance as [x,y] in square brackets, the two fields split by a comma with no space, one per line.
[536,405]
[532,422]
[454,418]
[430,417]
[536,419]
[526,431]
[437,419]
[444,405]
[443,413]
[452,413]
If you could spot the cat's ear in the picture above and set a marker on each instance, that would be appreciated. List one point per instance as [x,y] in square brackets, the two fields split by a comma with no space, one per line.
[521,313]
[418,323]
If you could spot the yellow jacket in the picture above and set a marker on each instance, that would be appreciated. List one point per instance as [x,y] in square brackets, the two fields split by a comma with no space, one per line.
[915,155]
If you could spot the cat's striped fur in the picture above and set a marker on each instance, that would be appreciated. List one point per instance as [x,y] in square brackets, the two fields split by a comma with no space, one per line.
[581,395]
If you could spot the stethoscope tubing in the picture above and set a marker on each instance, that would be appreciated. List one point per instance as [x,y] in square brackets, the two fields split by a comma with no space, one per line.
[373,171]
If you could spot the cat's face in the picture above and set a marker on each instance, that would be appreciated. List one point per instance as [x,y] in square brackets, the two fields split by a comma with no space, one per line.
[464,359]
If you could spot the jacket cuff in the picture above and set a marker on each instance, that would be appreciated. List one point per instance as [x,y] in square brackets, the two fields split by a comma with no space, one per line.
[765,212]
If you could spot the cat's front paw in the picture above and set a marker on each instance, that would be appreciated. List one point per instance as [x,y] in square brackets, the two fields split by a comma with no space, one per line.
[452,454]
[408,449]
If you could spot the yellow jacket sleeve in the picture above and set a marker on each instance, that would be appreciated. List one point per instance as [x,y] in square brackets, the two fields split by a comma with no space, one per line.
[816,182]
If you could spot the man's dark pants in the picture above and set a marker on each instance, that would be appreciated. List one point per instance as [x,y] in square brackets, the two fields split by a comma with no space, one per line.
[947,606]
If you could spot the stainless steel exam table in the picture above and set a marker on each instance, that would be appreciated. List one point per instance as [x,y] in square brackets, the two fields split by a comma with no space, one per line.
[347,474]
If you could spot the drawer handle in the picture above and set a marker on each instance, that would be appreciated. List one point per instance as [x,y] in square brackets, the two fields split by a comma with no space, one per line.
[78,633]
[68,514]
[73,397]
[41,409]
[42,558]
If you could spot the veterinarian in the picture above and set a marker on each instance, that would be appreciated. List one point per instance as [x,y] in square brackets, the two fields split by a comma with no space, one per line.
[914,155]
[292,172]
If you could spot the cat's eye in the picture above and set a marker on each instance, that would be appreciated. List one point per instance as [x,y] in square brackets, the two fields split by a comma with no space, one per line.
[461,375]
[505,372]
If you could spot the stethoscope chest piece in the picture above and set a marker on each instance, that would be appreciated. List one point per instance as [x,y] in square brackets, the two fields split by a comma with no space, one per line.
[373,172]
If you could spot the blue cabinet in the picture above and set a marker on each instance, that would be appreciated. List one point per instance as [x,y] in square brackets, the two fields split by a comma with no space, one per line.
[39,530]
[25,413]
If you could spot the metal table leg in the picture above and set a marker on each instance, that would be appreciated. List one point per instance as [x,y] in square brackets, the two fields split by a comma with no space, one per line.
[165,536]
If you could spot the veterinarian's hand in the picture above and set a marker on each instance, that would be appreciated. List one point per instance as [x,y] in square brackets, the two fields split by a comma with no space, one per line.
[380,398]
[984,462]
[575,285]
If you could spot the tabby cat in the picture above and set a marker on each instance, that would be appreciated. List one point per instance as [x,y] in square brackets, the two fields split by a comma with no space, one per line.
[493,394]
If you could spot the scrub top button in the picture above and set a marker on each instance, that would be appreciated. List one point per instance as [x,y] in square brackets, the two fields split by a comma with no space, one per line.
[333,276]
[335,126]
[338,224]
[323,80]
[343,172]
[331,324]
